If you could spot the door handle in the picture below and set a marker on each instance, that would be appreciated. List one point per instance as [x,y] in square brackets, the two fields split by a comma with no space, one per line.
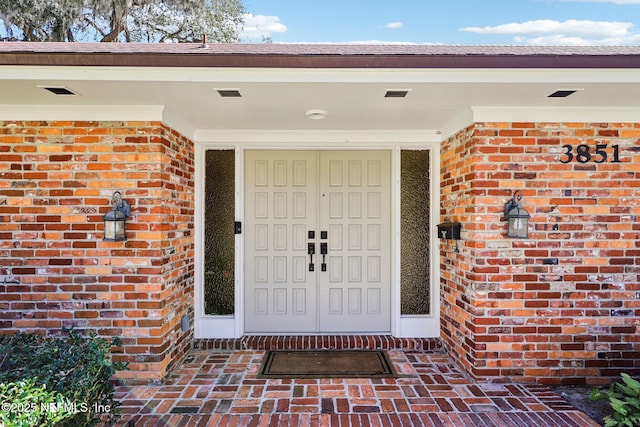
[311,249]
[323,251]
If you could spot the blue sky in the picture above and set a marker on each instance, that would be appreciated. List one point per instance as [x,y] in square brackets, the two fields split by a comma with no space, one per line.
[476,22]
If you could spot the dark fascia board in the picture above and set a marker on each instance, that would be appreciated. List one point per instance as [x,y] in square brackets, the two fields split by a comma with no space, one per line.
[316,61]
[315,56]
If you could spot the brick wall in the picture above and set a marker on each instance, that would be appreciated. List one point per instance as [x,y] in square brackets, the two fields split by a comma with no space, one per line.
[55,270]
[508,312]
[456,273]
[564,305]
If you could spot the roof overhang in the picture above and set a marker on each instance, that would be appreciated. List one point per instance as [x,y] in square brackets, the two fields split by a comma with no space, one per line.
[449,86]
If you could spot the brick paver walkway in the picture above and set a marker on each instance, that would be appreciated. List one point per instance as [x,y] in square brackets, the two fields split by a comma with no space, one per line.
[220,388]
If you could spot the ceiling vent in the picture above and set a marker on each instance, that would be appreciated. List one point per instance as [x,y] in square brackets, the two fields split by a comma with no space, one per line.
[562,93]
[58,90]
[229,93]
[396,93]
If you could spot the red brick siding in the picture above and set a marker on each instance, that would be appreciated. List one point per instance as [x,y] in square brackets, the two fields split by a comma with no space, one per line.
[457,291]
[178,239]
[55,270]
[506,312]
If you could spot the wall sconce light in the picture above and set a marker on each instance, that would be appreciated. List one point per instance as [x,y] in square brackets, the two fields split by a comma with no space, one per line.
[518,218]
[115,220]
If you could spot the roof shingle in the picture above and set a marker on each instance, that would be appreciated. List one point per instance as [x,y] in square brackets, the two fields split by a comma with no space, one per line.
[317,55]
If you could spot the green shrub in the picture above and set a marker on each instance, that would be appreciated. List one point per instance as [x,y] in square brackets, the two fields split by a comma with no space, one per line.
[624,399]
[23,404]
[76,367]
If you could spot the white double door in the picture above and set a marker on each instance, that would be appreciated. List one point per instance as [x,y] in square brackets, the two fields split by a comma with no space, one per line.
[317,241]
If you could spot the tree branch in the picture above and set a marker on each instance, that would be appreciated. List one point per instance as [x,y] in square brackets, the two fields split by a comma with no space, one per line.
[94,25]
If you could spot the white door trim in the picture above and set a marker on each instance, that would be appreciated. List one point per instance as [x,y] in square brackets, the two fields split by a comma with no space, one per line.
[207,326]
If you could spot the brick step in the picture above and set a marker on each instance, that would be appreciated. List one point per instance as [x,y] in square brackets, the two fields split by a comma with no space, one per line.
[318,342]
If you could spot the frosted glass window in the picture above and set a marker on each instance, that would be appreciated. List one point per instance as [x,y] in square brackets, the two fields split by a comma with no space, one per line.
[219,219]
[415,283]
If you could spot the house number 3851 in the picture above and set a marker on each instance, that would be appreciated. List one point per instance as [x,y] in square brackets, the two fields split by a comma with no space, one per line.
[584,153]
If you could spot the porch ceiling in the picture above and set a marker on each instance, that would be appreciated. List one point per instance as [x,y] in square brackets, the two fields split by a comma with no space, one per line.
[440,100]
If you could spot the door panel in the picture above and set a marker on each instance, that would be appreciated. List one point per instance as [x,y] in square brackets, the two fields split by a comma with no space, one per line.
[354,294]
[344,198]
[280,208]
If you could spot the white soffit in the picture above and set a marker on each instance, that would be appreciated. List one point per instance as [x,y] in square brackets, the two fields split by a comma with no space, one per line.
[440,101]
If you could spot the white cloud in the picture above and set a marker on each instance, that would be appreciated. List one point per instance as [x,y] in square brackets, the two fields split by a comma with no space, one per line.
[547,26]
[258,26]
[393,25]
[560,40]
[571,32]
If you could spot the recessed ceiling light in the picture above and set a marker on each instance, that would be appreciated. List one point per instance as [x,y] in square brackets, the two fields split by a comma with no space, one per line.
[229,93]
[58,90]
[563,93]
[316,114]
[396,93]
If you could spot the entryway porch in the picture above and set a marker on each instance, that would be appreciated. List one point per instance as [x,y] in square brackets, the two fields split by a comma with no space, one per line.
[216,385]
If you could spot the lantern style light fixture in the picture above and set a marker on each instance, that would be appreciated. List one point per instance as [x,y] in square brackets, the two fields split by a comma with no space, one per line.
[518,217]
[115,220]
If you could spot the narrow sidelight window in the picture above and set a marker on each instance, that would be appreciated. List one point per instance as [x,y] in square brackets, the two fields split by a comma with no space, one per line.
[219,241]
[415,291]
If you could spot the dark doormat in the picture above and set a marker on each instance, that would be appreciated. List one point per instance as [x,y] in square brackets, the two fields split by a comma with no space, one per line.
[326,364]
